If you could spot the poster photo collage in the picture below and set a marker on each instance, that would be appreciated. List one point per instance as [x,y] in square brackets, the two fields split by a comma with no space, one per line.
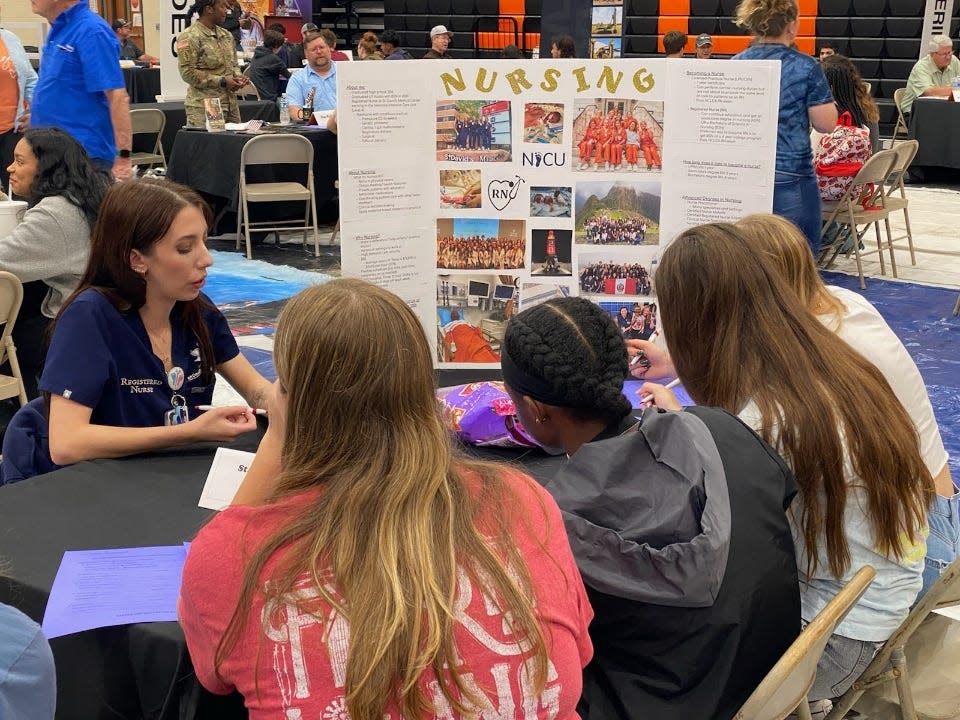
[538,200]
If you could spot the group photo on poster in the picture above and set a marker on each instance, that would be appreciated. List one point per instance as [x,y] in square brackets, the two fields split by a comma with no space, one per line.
[617,272]
[617,212]
[616,135]
[480,244]
[474,131]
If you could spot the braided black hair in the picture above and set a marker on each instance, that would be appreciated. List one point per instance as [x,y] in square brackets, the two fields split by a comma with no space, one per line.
[575,346]
[199,6]
[848,90]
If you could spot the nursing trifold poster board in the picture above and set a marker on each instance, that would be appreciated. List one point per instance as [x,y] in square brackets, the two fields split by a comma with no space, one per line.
[476,189]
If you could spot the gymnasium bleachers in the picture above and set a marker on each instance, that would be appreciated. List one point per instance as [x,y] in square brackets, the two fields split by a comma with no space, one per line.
[882,37]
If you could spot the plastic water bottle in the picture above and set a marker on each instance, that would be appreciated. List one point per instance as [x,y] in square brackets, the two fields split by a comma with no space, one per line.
[284,111]
[955,87]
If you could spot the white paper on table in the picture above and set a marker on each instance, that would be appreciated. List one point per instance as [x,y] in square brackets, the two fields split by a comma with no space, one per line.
[226,473]
[321,116]
[237,127]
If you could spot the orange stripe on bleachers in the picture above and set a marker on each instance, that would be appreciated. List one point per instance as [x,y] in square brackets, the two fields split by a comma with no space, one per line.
[512,7]
[673,7]
[666,24]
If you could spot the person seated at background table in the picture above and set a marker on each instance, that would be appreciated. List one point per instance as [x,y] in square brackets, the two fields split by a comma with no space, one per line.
[859,324]
[673,43]
[296,56]
[678,525]
[28,678]
[49,247]
[933,74]
[208,63]
[390,46]
[128,48]
[319,75]
[741,339]
[149,340]
[15,99]
[850,95]
[367,47]
[331,39]
[284,52]
[562,46]
[266,67]
[828,48]
[398,576]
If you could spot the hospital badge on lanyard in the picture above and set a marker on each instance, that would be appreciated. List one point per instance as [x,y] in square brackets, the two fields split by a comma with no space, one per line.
[177,414]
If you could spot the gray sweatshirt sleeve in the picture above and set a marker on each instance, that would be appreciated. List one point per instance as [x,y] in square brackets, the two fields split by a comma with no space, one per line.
[53,239]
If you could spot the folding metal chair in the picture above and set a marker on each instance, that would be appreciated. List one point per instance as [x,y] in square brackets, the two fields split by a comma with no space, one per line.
[285,149]
[890,663]
[784,689]
[149,121]
[900,127]
[11,296]
[906,151]
[862,204]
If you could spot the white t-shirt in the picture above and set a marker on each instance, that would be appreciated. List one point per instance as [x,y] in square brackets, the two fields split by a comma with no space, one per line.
[894,589]
[864,329]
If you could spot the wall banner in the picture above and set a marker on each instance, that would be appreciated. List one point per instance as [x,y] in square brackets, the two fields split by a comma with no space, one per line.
[173,20]
[936,21]
[474,189]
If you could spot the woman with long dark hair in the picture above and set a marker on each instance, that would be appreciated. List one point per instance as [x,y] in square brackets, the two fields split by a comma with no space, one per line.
[741,339]
[850,95]
[367,569]
[49,248]
[148,340]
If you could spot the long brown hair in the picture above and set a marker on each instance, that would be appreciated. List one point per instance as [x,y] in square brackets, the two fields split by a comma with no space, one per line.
[784,247]
[135,215]
[396,516]
[737,334]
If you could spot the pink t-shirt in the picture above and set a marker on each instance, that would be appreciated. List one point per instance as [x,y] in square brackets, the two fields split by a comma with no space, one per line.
[301,669]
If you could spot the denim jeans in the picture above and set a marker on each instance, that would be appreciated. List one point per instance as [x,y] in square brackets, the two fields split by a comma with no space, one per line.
[796,198]
[943,544]
[842,662]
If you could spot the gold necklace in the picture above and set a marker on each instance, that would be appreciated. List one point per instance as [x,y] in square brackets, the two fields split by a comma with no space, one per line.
[161,347]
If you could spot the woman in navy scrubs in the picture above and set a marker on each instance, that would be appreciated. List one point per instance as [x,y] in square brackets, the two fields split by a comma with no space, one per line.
[135,349]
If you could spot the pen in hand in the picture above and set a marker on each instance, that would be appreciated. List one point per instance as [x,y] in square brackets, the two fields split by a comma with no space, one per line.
[256,411]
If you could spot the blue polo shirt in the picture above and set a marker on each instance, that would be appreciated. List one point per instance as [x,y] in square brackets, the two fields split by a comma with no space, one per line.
[80,62]
[301,82]
[802,86]
[101,358]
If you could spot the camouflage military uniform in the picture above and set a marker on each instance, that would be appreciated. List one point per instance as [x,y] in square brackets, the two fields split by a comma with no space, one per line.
[206,57]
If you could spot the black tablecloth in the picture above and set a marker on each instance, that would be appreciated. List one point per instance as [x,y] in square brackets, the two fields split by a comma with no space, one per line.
[934,123]
[210,164]
[143,84]
[177,118]
[135,671]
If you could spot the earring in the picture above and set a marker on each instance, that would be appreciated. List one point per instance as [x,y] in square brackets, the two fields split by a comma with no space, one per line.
[140,271]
